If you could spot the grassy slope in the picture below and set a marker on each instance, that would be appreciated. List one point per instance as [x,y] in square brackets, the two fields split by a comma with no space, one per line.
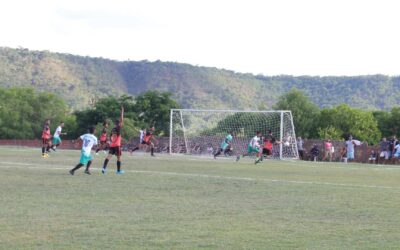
[78,79]
[172,202]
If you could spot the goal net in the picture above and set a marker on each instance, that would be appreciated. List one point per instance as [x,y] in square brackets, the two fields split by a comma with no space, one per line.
[201,132]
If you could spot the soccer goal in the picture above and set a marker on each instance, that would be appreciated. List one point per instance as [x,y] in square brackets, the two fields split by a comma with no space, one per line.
[200,132]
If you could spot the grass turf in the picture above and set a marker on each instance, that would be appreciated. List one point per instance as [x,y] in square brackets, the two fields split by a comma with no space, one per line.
[190,203]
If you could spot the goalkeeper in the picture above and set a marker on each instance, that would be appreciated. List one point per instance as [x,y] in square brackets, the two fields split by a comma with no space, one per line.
[226,145]
[254,147]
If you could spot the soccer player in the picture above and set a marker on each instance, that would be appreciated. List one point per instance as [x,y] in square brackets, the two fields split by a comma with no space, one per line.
[149,140]
[88,141]
[46,135]
[115,145]
[141,140]
[267,149]
[254,147]
[225,145]
[56,136]
[103,138]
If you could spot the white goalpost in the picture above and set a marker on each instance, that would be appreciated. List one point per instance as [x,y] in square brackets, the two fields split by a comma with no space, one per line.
[200,132]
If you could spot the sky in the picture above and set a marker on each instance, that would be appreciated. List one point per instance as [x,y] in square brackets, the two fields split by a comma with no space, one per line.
[268,37]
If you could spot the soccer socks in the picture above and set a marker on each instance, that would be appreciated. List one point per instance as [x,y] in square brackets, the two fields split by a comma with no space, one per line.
[105,163]
[118,165]
[152,151]
[88,165]
[42,150]
[75,168]
[137,148]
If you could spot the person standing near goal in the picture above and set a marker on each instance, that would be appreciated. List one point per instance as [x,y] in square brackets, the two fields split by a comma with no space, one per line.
[88,141]
[226,145]
[115,145]
[254,147]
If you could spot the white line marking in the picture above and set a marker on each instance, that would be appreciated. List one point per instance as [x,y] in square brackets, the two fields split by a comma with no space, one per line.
[61,167]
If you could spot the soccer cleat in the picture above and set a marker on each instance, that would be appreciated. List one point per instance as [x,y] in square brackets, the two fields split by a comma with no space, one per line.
[120,172]
[71,172]
[87,172]
[103,170]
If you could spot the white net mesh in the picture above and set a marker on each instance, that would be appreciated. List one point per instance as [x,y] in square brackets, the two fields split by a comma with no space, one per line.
[200,132]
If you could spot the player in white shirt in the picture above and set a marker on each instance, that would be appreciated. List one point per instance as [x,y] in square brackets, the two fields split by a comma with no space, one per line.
[88,141]
[56,136]
[254,147]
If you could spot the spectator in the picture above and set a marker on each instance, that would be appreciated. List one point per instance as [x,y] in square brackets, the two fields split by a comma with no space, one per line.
[314,153]
[384,147]
[372,157]
[300,148]
[343,154]
[328,150]
[397,152]
[392,144]
[350,149]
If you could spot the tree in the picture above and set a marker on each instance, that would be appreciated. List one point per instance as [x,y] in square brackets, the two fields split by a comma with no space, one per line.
[346,120]
[23,111]
[153,109]
[303,110]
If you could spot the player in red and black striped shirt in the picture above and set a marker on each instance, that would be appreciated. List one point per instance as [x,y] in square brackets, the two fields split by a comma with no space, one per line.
[115,144]
[46,136]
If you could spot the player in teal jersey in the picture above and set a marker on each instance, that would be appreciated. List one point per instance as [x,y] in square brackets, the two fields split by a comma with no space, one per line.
[226,145]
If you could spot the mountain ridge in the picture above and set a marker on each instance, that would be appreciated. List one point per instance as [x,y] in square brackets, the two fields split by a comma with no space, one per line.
[80,79]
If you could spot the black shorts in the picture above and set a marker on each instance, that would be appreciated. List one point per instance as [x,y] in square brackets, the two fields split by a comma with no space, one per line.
[144,143]
[267,151]
[45,141]
[115,151]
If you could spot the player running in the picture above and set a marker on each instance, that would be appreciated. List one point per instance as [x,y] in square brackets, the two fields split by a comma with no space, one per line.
[149,140]
[46,136]
[103,139]
[56,136]
[254,147]
[115,145]
[88,141]
[142,143]
[226,145]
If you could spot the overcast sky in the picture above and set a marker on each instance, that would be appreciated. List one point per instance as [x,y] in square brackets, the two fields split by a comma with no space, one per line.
[269,37]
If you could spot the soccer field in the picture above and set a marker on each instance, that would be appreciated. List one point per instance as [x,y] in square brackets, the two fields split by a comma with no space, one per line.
[181,202]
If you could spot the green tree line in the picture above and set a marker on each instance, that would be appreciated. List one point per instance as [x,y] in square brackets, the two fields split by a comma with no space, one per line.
[24,110]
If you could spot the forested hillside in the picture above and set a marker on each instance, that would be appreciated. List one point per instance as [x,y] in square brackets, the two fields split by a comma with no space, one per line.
[78,80]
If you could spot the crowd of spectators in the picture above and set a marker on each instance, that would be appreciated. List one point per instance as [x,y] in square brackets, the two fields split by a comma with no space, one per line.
[387,152]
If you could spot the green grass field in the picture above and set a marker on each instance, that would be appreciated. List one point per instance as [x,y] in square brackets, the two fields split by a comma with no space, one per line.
[181,202]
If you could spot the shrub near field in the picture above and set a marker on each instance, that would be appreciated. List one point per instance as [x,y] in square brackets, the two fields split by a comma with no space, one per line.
[189,203]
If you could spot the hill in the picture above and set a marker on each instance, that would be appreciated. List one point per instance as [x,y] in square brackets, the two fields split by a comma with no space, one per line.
[79,79]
